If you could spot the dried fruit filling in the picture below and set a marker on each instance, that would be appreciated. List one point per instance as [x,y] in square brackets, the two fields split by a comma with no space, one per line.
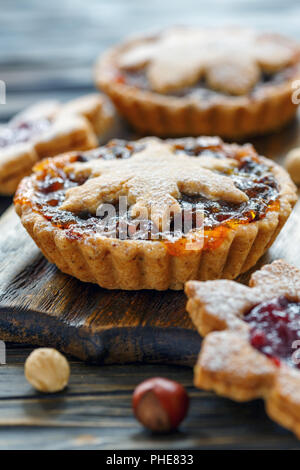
[252,176]
[19,132]
[275,329]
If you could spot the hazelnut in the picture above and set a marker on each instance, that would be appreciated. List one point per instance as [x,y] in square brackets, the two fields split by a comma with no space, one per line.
[160,404]
[292,164]
[47,370]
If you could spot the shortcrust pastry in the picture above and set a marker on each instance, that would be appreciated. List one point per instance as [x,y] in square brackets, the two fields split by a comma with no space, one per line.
[49,128]
[196,208]
[256,355]
[183,81]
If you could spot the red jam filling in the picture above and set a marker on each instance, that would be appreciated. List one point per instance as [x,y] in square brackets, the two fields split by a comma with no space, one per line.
[252,176]
[274,328]
[19,132]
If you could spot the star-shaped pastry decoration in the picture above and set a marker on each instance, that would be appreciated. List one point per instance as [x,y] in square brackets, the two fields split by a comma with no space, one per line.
[231,60]
[228,363]
[153,180]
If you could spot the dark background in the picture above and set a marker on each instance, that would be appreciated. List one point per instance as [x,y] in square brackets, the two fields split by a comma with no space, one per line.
[47,49]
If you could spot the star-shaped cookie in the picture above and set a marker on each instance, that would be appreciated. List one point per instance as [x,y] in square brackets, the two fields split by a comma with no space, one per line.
[232,360]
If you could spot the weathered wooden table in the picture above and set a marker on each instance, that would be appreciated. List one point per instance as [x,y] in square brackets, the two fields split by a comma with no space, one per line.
[47,50]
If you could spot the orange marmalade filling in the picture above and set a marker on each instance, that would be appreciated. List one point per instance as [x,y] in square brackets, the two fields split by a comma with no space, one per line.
[45,191]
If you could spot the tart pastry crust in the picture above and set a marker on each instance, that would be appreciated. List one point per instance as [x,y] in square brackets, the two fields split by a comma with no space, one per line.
[49,128]
[245,200]
[228,363]
[186,81]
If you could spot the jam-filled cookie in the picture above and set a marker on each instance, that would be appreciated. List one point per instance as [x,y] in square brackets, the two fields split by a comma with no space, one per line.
[46,129]
[292,164]
[256,355]
[152,214]
[190,81]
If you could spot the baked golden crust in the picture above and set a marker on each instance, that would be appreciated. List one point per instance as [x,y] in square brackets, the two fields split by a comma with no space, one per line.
[73,126]
[135,263]
[151,112]
[228,363]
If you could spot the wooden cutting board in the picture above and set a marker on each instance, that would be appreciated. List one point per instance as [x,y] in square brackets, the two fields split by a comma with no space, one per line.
[42,306]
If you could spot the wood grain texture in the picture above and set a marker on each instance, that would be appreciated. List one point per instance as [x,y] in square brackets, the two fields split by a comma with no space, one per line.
[47,51]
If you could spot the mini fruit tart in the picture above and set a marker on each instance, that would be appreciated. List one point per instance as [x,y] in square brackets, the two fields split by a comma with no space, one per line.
[188,81]
[256,355]
[49,128]
[152,214]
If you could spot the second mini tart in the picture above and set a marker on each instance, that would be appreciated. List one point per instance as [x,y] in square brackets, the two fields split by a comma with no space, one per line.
[192,81]
[244,200]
